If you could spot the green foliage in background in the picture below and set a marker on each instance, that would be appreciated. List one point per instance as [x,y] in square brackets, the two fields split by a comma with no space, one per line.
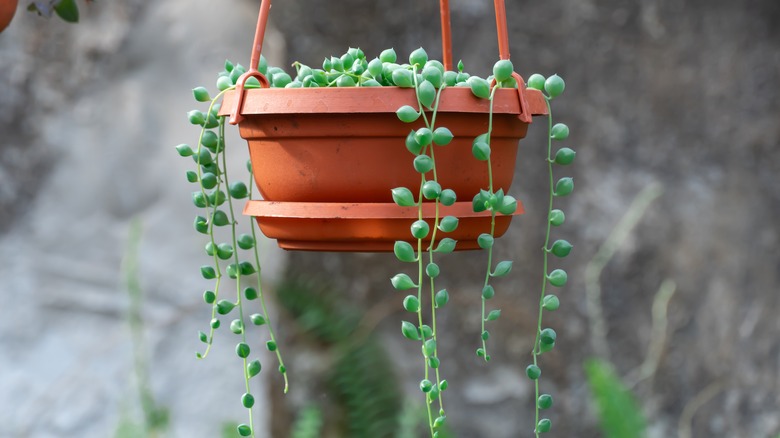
[619,413]
[362,380]
[308,423]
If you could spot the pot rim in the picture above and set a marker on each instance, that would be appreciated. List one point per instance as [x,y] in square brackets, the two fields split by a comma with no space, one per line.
[372,100]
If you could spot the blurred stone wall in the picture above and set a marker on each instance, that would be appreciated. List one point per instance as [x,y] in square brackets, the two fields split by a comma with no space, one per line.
[680,94]
[89,115]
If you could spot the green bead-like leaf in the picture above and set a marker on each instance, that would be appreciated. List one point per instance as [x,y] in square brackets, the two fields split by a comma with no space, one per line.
[423,136]
[565,156]
[270,346]
[479,87]
[442,298]
[559,132]
[236,326]
[412,145]
[224,251]
[192,176]
[402,282]
[403,197]
[404,251]
[545,401]
[247,400]
[426,331]
[345,81]
[196,117]
[551,302]
[223,83]
[426,385]
[375,68]
[485,241]
[448,224]
[433,362]
[247,268]
[502,70]
[558,278]
[200,223]
[561,248]
[448,197]
[423,164]
[238,190]
[253,368]
[420,229]
[242,350]
[208,180]
[481,150]
[557,218]
[245,241]
[547,336]
[431,189]
[536,81]
[429,347]
[410,331]
[433,75]
[502,268]
[445,246]
[220,218]
[554,86]
[208,272]
[201,94]
[432,270]
[488,292]
[450,78]
[508,205]
[244,430]
[209,297]
[442,136]
[533,372]
[250,293]
[203,337]
[426,92]
[203,157]
[388,55]
[184,150]
[493,315]
[564,186]
[257,319]
[215,323]
[418,57]
[224,307]
[411,303]
[403,78]
[543,425]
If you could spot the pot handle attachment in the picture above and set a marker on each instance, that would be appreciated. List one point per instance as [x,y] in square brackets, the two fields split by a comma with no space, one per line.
[446,42]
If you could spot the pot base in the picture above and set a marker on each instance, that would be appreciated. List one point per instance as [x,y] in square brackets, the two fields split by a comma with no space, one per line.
[364,227]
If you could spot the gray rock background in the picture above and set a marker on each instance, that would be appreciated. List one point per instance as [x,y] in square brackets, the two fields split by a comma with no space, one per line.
[679,94]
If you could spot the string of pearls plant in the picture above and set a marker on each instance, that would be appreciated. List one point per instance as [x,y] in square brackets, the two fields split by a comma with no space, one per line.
[237,256]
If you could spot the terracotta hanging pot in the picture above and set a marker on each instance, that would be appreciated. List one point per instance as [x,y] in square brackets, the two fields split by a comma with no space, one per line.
[7,11]
[326,159]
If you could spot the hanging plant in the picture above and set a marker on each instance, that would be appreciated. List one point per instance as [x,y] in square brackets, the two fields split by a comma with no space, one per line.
[414,157]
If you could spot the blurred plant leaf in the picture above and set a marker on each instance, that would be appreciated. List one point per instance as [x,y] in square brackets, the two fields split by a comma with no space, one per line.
[619,413]
[67,10]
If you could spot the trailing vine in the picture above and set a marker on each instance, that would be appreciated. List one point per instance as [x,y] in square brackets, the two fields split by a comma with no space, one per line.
[422,142]
[215,194]
[545,337]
